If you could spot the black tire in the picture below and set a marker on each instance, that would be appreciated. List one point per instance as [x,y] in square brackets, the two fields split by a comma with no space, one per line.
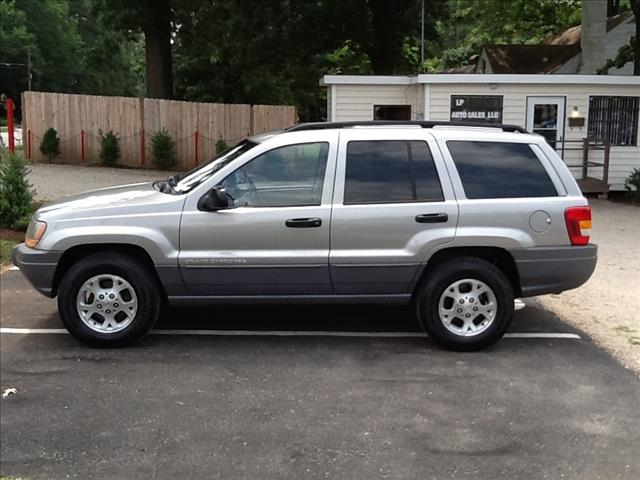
[144,282]
[444,275]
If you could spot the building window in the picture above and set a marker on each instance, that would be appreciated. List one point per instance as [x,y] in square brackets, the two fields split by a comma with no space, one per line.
[614,119]
[392,112]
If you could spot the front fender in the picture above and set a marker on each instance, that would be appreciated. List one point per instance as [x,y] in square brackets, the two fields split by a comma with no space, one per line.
[160,244]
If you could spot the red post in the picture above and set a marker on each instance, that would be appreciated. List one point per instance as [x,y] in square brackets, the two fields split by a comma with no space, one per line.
[142,148]
[196,151]
[81,146]
[29,144]
[12,142]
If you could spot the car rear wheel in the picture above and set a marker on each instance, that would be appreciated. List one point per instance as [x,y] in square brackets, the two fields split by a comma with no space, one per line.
[109,300]
[465,304]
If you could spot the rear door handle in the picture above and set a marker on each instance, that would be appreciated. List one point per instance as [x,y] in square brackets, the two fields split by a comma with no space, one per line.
[303,222]
[432,218]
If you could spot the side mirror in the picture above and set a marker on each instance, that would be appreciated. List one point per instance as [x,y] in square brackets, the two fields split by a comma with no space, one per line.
[214,200]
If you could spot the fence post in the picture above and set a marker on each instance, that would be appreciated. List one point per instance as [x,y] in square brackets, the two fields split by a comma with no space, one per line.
[605,170]
[82,146]
[142,148]
[9,106]
[196,149]
[585,157]
[29,144]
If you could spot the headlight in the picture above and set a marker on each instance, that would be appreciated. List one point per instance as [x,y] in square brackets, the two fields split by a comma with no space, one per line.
[34,233]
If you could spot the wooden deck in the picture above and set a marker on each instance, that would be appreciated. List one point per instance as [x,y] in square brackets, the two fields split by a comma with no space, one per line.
[592,185]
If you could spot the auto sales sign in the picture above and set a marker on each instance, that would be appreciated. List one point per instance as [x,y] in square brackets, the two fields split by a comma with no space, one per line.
[476,108]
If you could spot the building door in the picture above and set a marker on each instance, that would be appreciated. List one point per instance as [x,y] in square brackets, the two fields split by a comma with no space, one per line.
[545,116]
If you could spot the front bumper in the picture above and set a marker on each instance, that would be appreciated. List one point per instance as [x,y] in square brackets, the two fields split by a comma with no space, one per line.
[38,266]
[554,269]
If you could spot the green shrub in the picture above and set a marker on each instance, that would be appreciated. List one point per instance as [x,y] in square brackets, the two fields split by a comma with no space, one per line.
[632,184]
[163,150]
[16,193]
[221,145]
[50,144]
[109,149]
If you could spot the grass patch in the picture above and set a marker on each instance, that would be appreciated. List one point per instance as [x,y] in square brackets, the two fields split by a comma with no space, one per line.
[8,238]
[5,255]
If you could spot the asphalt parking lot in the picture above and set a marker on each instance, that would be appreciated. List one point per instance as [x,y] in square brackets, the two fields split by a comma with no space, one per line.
[241,393]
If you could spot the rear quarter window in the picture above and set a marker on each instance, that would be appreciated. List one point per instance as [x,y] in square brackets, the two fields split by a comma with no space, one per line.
[500,170]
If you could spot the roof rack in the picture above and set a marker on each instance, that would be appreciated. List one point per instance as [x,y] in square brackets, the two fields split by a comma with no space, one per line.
[398,123]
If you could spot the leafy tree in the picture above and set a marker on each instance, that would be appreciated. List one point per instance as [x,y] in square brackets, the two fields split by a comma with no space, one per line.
[15,43]
[109,149]
[153,18]
[632,185]
[16,194]
[112,60]
[57,60]
[467,25]
[163,150]
[50,144]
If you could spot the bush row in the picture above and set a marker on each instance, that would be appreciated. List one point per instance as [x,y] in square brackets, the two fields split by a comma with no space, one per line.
[163,148]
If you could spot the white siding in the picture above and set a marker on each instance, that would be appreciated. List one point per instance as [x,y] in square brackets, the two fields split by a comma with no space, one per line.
[622,159]
[355,102]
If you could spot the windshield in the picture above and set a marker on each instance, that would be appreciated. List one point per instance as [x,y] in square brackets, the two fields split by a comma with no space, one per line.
[185,182]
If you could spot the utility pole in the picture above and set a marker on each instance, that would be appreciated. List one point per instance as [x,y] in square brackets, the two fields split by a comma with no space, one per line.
[29,68]
[422,37]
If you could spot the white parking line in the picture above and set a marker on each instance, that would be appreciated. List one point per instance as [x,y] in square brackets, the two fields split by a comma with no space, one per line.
[285,333]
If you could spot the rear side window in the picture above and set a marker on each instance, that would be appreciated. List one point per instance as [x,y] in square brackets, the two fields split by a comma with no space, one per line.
[390,171]
[500,170]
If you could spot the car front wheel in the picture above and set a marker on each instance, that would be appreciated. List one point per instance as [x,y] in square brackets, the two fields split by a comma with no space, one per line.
[109,300]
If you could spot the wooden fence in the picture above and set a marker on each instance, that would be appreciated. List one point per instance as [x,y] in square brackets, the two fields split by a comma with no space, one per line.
[195,127]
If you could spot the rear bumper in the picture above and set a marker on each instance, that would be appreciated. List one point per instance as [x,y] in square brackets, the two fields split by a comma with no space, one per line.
[554,269]
[38,266]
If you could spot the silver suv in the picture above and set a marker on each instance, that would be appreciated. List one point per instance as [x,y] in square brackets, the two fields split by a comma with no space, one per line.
[455,219]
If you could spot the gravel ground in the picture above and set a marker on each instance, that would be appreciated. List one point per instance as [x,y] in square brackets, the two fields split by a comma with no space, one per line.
[605,307]
[55,181]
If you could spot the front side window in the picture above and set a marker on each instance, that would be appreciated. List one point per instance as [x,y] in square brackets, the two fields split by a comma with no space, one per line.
[390,171]
[292,175]
[500,170]
[614,120]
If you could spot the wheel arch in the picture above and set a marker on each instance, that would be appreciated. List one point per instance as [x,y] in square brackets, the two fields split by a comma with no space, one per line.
[76,253]
[497,256]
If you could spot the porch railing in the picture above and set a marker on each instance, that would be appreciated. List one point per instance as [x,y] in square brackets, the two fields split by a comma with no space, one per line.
[588,163]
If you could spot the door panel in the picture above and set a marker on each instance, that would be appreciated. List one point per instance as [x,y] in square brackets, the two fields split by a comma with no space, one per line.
[377,248]
[250,249]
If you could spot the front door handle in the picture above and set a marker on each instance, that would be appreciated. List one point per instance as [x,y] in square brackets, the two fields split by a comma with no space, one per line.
[432,218]
[303,222]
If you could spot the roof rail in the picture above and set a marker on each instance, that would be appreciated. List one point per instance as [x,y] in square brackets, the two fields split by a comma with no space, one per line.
[398,123]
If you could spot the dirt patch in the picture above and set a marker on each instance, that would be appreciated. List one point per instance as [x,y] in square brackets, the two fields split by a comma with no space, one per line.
[13,235]
[606,307]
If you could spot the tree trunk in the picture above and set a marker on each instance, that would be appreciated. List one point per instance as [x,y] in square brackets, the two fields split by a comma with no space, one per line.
[593,37]
[157,40]
[613,7]
[635,5]
[383,22]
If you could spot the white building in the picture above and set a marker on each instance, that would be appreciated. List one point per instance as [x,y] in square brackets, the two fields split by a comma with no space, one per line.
[566,109]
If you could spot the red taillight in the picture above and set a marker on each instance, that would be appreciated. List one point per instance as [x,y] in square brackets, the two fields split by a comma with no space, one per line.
[578,224]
